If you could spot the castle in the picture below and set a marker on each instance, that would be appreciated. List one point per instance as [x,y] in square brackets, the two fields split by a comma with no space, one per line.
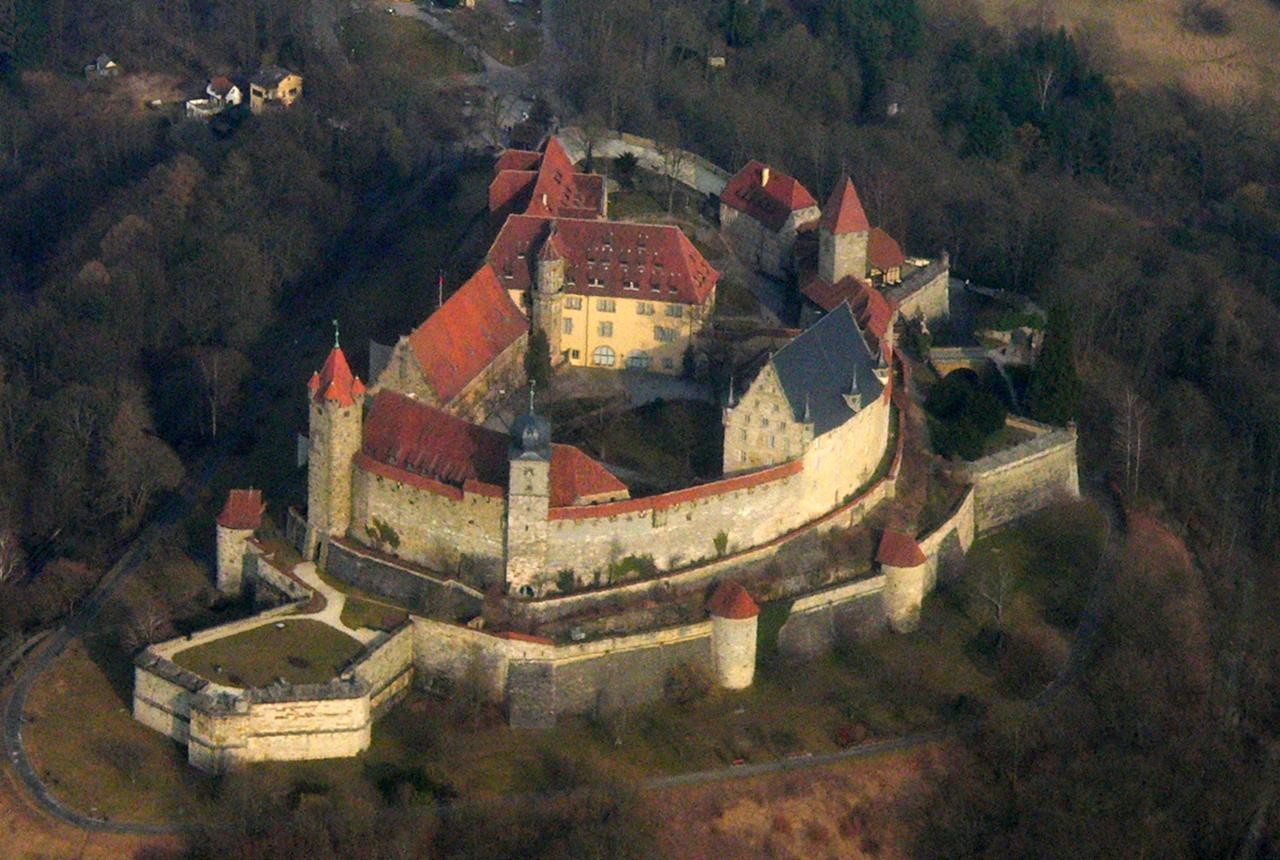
[529,565]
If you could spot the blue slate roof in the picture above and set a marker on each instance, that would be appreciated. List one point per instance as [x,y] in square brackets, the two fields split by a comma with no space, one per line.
[822,365]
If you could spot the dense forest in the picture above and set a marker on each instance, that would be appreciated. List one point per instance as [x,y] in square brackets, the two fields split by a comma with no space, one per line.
[144,262]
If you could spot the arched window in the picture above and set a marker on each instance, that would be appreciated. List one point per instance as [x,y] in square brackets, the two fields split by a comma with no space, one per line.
[603,356]
[638,360]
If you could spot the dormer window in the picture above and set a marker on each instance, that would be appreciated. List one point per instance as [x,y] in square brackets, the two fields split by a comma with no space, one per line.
[595,282]
[630,285]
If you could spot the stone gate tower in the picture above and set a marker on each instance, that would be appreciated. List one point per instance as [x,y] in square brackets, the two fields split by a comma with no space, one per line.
[336,408]
[843,235]
[528,502]
[548,297]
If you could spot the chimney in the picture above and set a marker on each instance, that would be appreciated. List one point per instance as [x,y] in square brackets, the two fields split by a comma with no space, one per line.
[764,176]
[544,199]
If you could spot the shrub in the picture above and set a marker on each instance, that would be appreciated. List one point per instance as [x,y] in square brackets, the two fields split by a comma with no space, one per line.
[966,412]
[687,683]
[721,541]
[1200,16]
[637,566]
[565,579]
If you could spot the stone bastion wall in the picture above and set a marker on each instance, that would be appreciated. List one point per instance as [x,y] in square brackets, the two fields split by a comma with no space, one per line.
[1024,477]
[225,726]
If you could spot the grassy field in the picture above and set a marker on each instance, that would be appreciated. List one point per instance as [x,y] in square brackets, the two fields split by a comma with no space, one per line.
[1144,44]
[299,650]
[671,443]
[404,46]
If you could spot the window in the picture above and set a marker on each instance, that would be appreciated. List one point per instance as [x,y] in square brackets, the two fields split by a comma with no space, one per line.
[663,334]
[605,329]
[743,431]
[575,354]
[630,285]
[638,360]
[742,456]
[675,310]
[603,356]
[606,305]
[593,281]
[568,326]
[645,309]
[573,303]
[764,422]
[773,442]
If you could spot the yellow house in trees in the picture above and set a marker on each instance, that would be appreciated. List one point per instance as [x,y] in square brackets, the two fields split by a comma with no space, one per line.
[274,88]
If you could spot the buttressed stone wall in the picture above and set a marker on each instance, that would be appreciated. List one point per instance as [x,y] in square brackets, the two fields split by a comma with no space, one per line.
[1024,478]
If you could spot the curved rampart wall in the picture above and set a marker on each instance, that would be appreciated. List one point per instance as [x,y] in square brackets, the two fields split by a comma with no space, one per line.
[678,529]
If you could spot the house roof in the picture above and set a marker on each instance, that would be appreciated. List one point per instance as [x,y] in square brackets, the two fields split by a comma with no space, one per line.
[553,186]
[467,333]
[828,360]
[873,311]
[606,258]
[243,510]
[221,85]
[843,212]
[770,202]
[899,550]
[428,442]
[883,251]
[731,600]
[335,381]
[270,76]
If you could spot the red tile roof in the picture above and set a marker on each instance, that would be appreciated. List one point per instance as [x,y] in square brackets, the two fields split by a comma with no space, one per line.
[466,333]
[899,550]
[883,251]
[550,181]
[576,479]
[873,311]
[657,260]
[424,440]
[731,600]
[243,510]
[768,202]
[843,212]
[221,85]
[418,441]
[335,380]
[516,636]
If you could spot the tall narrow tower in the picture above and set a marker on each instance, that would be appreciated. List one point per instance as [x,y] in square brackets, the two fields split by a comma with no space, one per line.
[548,293]
[843,235]
[336,412]
[528,503]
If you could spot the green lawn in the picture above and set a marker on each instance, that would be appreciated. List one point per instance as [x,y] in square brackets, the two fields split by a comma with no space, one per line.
[301,651]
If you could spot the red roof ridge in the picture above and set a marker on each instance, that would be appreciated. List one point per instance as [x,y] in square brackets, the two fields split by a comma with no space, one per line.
[335,381]
[732,600]
[899,550]
[243,510]
[843,212]
[883,251]
[465,334]
[769,202]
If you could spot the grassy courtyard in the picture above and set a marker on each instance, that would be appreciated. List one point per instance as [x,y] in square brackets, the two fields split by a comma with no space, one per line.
[402,47]
[298,650]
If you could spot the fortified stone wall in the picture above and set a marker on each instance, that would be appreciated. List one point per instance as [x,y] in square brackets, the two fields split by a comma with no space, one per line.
[925,293]
[685,167]
[539,680]
[853,610]
[224,726]
[438,526]
[413,589]
[1024,478]
[261,570]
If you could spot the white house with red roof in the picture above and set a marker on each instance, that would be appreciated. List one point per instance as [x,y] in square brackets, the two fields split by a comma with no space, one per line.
[761,211]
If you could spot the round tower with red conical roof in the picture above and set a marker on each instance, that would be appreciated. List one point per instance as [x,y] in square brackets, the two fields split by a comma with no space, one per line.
[336,408]
[734,618]
[906,574]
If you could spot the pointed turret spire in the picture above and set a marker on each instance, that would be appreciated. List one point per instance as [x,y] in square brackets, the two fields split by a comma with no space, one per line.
[335,381]
[808,416]
[843,212]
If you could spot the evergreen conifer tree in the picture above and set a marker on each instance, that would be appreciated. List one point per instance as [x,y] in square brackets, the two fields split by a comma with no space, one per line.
[537,361]
[1054,391]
